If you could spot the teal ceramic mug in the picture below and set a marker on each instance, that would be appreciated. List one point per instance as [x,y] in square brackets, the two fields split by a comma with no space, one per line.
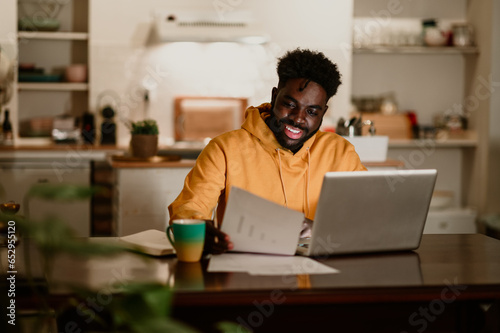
[188,238]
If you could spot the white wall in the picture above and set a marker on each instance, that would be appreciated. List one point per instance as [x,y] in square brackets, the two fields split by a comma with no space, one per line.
[125,59]
[8,43]
[8,24]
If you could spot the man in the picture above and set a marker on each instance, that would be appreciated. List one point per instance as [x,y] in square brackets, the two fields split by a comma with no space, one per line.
[279,152]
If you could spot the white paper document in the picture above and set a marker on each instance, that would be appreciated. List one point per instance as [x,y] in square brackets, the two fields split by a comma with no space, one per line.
[261,264]
[259,225]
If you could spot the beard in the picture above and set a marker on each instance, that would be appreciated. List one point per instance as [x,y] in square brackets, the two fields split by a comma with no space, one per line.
[277,126]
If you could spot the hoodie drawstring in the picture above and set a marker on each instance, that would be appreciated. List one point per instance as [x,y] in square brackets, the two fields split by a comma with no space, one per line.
[281,177]
[308,178]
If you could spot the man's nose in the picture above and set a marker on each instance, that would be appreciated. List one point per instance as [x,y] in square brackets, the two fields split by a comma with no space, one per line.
[298,116]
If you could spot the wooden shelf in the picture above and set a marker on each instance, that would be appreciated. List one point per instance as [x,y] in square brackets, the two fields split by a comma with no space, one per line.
[55,35]
[415,50]
[58,86]
[465,139]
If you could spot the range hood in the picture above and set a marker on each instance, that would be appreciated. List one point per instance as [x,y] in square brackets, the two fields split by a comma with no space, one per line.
[199,26]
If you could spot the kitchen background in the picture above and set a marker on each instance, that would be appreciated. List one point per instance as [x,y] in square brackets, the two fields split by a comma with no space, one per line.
[132,70]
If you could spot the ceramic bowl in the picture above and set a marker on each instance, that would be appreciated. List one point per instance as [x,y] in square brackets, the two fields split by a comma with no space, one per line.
[435,37]
[38,24]
[76,73]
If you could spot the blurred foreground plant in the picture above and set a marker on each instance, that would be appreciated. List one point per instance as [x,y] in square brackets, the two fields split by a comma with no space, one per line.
[136,307]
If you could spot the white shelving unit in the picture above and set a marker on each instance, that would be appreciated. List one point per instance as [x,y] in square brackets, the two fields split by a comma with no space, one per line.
[448,156]
[54,86]
[428,80]
[55,35]
[48,96]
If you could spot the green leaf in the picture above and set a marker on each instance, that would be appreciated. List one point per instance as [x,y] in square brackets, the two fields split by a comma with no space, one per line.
[156,297]
[230,327]
[148,126]
[162,325]
[145,307]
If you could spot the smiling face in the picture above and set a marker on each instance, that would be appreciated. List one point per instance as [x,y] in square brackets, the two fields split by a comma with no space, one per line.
[298,108]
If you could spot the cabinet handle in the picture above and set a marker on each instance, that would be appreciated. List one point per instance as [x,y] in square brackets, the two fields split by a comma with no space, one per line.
[42,180]
[443,225]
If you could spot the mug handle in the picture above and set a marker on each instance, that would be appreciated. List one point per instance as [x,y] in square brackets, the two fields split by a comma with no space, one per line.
[170,231]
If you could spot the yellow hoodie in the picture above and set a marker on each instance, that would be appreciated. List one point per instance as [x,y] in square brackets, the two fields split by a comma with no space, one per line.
[251,158]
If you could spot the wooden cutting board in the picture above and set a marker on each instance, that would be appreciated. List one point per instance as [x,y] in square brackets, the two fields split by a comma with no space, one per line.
[396,126]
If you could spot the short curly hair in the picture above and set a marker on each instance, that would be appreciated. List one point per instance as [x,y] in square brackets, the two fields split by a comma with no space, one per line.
[312,65]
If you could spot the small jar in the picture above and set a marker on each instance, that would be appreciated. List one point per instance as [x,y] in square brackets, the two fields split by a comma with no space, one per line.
[462,34]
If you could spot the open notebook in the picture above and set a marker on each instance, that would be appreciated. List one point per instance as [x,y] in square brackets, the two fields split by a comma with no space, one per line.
[152,242]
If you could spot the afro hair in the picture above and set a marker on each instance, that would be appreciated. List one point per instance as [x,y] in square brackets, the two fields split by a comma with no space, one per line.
[309,65]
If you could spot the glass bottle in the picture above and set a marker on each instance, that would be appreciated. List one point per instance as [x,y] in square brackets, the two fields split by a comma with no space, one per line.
[8,137]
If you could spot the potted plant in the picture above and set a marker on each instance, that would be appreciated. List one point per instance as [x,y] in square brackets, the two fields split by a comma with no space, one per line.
[144,140]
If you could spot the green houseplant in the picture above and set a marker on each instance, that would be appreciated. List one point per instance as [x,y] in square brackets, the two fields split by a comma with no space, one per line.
[144,140]
[137,307]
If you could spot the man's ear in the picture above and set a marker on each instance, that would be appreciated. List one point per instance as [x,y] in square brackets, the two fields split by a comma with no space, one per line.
[274,93]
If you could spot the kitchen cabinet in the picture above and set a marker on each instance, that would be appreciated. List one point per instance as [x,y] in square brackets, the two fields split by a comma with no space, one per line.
[18,176]
[451,221]
[449,159]
[41,97]
[143,193]
[23,166]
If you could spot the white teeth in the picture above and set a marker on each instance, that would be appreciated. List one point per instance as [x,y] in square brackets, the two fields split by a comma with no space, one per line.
[293,130]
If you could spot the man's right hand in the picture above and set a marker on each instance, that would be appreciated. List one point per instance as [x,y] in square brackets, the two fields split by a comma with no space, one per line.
[216,241]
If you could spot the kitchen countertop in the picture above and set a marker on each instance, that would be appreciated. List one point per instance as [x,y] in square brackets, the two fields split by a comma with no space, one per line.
[58,151]
[189,163]
[443,140]
[188,150]
[154,162]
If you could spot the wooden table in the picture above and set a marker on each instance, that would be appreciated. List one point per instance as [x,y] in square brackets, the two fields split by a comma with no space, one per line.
[445,286]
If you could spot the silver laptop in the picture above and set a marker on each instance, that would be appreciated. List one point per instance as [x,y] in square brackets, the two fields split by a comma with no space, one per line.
[370,211]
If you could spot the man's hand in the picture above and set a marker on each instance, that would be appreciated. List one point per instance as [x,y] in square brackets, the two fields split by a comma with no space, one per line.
[306,228]
[216,241]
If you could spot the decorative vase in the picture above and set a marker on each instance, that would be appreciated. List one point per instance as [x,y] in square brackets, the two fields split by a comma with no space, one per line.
[144,145]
